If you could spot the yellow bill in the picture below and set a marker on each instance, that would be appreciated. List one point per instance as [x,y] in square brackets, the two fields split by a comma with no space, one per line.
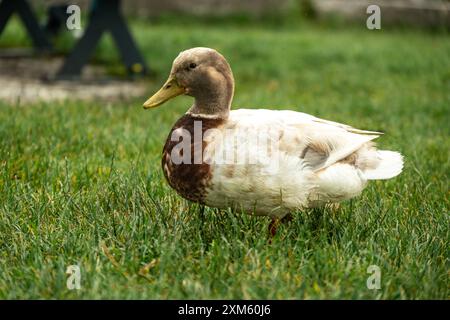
[168,91]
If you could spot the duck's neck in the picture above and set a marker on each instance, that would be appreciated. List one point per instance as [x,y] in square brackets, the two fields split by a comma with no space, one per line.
[214,100]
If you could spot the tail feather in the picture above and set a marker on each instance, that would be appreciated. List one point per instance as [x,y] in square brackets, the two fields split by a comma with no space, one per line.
[390,165]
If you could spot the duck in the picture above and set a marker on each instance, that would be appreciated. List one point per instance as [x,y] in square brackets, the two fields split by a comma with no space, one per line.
[258,161]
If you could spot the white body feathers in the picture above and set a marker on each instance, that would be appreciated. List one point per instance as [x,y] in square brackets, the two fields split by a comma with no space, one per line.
[314,162]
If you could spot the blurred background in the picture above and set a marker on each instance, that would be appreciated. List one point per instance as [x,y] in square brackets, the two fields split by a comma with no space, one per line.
[302,17]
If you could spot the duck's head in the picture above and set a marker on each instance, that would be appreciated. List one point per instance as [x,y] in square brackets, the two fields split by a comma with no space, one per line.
[204,74]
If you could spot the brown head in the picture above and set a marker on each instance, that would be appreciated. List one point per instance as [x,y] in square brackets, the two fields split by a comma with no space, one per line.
[204,74]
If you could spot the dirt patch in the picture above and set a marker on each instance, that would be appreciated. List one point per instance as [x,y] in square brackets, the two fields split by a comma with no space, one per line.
[26,79]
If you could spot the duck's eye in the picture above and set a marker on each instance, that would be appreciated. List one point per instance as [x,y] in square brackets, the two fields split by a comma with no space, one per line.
[192,65]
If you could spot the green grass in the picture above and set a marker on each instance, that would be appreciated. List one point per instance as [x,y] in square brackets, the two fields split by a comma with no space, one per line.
[78,177]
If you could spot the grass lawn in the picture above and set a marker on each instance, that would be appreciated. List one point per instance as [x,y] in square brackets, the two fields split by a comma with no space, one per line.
[81,183]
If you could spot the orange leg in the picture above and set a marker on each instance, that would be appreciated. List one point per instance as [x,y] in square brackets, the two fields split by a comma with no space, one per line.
[275,223]
[273,227]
